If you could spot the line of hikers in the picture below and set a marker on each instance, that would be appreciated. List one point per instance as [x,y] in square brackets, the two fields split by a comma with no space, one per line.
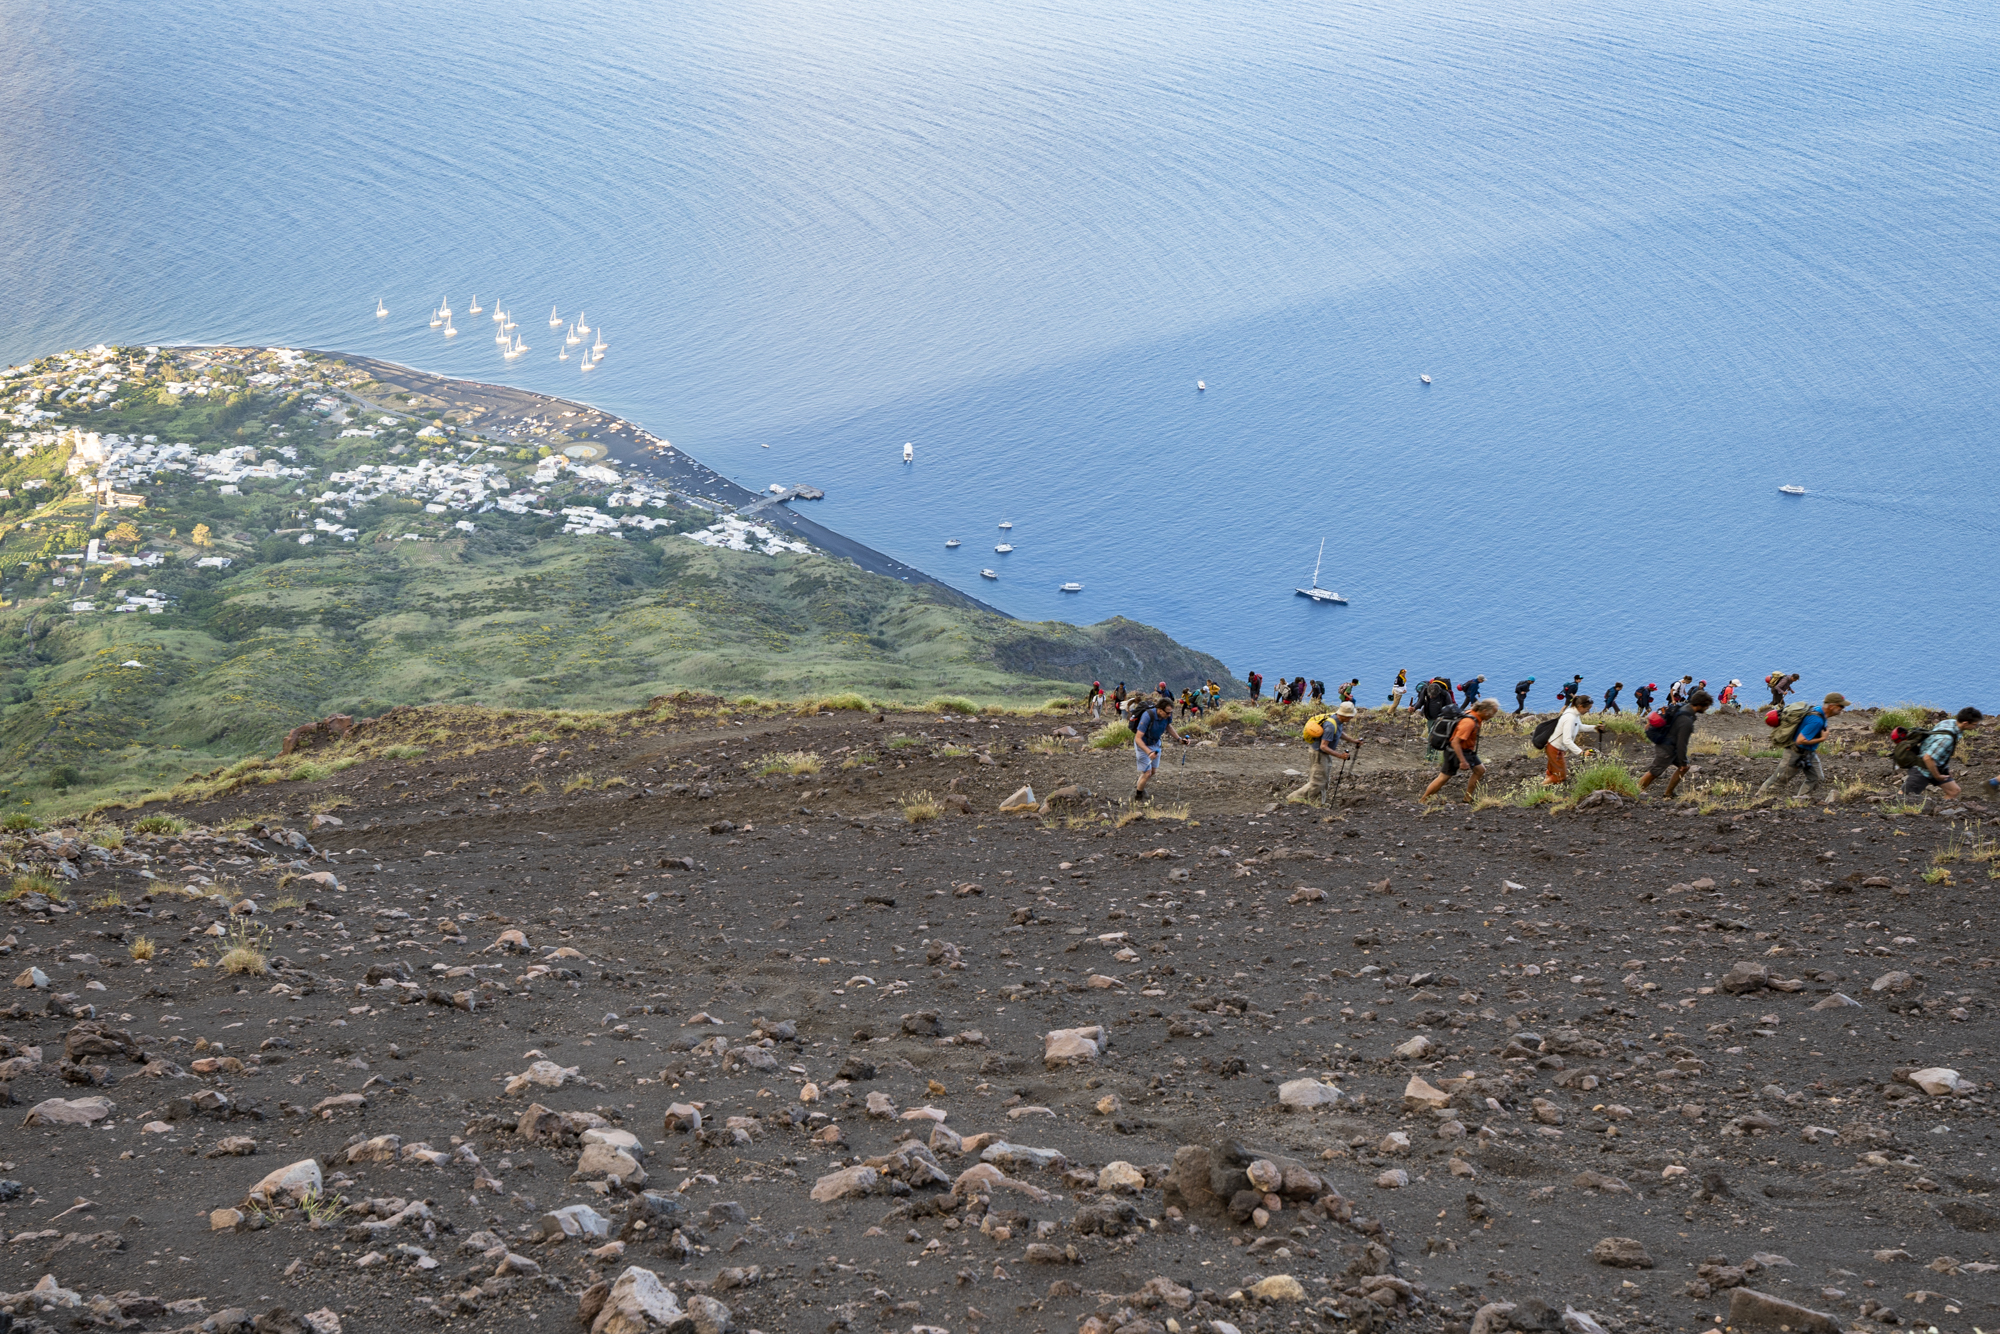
[1452,733]
[1780,684]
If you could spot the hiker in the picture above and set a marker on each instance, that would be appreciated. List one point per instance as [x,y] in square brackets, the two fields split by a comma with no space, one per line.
[1396,696]
[1562,741]
[1325,750]
[1727,701]
[1799,733]
[1678,692]
[1256,687]
[1642,698]
[1096,700]
[1319,692]
[1670,750]
[1521,689]
[1462,752]
[1155,721]
[1569,689]
[1933,766]
[1214,693]
[1298,691]
[1471,689]
[1611,698]
[1781,685]
[1118,702]
[1347,691]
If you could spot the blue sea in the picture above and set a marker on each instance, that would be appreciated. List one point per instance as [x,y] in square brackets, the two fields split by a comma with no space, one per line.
[1657,258]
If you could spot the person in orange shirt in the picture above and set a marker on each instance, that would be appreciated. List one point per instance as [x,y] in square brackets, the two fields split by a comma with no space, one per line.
[1463,751]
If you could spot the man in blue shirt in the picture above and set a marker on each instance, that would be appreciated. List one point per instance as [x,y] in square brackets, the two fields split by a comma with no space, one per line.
[1800,760]
[1324,751]
[1155,722]
[1933,766]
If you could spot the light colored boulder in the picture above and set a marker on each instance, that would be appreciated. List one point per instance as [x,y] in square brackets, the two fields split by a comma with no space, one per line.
[543,1074]
[1120,1176]
[1939,1081]
[70,1112]
[1421,1095]
[573,1220]
[381,1149]
[293,1181]
[1303,1095]
[847,1181]
[1416,1048]
[1278,1288]
[606,1162]
[1074,1046]
[637,1302]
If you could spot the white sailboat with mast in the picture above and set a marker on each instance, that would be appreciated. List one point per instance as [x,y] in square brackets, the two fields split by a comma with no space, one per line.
[1315,592]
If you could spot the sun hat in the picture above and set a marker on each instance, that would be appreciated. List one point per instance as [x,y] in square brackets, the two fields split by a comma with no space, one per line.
[1346,710]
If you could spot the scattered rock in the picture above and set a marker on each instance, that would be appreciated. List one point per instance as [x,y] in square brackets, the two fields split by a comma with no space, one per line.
[1303,1095]
[1621,1253]
[73,1112]
[635,1302]
[1074,1046]
[1750,1309]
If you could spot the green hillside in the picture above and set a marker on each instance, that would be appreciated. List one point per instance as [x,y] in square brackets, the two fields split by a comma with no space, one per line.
[391,599]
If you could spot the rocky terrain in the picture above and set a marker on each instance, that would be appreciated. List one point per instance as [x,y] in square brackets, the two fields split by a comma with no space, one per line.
[775,1022]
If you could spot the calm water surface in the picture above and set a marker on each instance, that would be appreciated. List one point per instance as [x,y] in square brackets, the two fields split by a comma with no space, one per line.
[1657,258]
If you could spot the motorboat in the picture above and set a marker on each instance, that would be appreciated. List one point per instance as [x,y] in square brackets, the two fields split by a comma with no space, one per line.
[1201,386]
[988,574]
[951,543]
[1791,490]
[1004,548]
[380,310]
[1006,523]
[909,451]
[1425,378]
[555,320]
[1070,588]
[1315,592]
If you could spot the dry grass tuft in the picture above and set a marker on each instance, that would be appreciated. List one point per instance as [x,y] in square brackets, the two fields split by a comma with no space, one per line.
[244,949]
[921,806]
[141,949]
[789,762]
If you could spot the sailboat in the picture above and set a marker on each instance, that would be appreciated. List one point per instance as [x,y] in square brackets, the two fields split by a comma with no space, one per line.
[498,314]
[516,350]
[449,332]
[475,307]
[601,344]
[588,364]
[437,318]
[573,337]
[555,320]
[380,309]
[1316,593]
[444,306]
[500,337]
[508,324]
[581,327]
[563,355]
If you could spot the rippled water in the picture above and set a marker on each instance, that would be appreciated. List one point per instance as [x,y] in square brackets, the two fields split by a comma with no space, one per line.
[1658,259]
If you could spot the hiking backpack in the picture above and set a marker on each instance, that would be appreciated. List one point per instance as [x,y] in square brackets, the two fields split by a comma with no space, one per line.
[1543,734]
[1789,721]
[1659,724]
[1909,751]
[1315,727]
[1441,728]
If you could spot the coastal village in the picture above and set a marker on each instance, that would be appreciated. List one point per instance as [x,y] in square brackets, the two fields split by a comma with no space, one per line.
[108,446]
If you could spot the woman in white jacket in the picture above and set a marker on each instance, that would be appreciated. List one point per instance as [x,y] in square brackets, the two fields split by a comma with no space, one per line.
[1563,744]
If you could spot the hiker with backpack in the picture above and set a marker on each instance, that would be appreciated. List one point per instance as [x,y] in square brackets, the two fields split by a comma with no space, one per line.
[1319,692]
[1678,692]
[1433,700]
[1557,738]
[1347,691]
[1611,698]
[1096,700]
[1781,685]
[1927,752]
[1727,703]
[1396,696]
[1801,728]
[1521,689]
[1461,750]
[1642,698]
[1670,730]
[1471,689]
[1324,734]
[1156,719]
[1569,689]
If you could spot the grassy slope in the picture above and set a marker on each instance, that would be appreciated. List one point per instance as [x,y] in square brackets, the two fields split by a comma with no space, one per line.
[510,617]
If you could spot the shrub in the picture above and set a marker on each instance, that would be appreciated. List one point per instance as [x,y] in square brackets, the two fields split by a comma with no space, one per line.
[1111,736]
[1902,715]
[35,881]
[402,752]
[849,701]
[899,741]
[106,836]
[308,772]
[789,762]
[160,824]
[615,781]
[532,787]
[141,949]
[1604,774]
[243,949]
[579,783]
[859,758]
[921,806]
[1618,722]
[19,822]
[952,704]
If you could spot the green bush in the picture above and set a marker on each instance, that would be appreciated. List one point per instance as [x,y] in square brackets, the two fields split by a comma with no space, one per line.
[952,704]
[20,822]
[1111,736]
[1603,774]
[401,752]
[1902,715]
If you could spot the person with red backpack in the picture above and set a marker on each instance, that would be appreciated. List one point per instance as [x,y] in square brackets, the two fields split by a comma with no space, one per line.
[1670,730]
[1642,698]
[1799,735]
[1256,687]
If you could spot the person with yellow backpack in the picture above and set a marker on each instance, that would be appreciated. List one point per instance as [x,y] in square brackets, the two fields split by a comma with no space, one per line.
[1325,742]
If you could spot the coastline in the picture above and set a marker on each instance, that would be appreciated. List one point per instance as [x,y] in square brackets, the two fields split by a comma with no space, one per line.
[504,411]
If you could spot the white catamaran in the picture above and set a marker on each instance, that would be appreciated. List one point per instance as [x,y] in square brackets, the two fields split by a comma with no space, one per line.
[1315,592]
